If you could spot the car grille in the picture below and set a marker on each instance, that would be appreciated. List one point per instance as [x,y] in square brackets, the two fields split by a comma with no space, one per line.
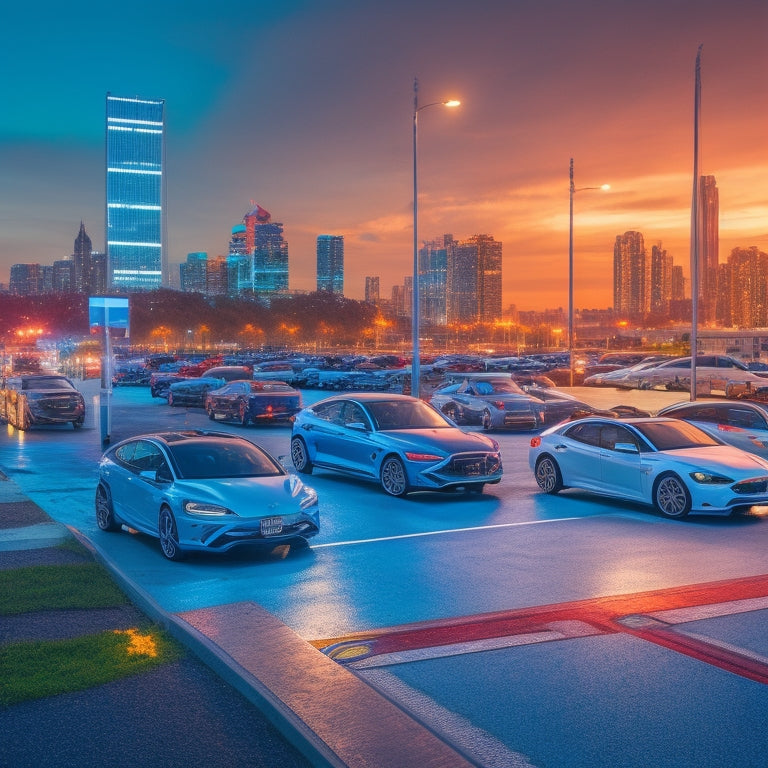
[758,485]
[472,465]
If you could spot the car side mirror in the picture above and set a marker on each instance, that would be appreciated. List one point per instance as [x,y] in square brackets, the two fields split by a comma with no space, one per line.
[358,425]
[626,448]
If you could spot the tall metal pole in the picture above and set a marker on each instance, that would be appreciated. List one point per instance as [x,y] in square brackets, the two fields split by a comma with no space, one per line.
[695,228]
[570,276]
[416,362]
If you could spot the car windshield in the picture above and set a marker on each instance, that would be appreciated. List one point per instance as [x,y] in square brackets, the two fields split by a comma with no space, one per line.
[46,382]
[674,435]
[405,414]
[209,459]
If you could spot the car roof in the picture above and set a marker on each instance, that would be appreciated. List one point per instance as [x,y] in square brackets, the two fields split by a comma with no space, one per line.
[369,397]
[182,435]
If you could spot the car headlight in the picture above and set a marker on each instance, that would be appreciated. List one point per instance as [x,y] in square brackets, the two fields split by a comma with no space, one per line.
[709,478]
[309,499]
[412,456]
[205,509]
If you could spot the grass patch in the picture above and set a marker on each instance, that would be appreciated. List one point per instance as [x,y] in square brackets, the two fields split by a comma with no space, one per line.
[35,670]
[46,587]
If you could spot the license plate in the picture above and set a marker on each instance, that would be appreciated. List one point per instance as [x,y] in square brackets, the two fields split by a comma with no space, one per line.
[271,526]
[473,469]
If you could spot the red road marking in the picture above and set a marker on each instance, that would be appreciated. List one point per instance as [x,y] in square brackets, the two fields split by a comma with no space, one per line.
[601,613]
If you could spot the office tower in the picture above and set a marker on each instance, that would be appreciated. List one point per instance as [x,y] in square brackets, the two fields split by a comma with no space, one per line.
[661,280]
[63,276]
[631,279]
[81,262]
[748,269]
[216,283]
[135,216]
[678,283]
[330,263]
[193,273]
[372,290]
[709,247]
[474,280]
[26,279]
[433,276]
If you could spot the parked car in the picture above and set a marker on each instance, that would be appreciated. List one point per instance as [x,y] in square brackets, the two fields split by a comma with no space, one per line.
[399,441]
[253,401]
[229,372]
[30,399]
[740,423]
[197,490]
[192,392]
[668,463]
[160,383]
[491,402]
[278,370]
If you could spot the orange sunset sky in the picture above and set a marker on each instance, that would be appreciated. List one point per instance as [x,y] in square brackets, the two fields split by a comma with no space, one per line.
[306,108]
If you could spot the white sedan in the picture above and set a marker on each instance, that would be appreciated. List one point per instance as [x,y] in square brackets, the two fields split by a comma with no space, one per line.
[668,463]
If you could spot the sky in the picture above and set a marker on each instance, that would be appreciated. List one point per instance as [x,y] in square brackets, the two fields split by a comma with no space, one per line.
[306,108]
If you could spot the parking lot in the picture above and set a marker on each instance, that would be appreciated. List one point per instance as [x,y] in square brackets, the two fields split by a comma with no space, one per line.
[523,629]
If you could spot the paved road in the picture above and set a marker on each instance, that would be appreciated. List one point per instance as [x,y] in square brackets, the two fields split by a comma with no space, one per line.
[524,629]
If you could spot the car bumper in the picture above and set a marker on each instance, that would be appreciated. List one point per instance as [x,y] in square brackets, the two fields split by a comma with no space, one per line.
[457,471]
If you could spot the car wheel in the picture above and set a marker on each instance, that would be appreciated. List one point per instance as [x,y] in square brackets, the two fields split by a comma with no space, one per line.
[77,423]
[393,478]
[449,410]
[105,515]
[243,417]
[169,535]
[300,456]
[548,475]
[170,399]
[486,420]
[671,497]
[211,413]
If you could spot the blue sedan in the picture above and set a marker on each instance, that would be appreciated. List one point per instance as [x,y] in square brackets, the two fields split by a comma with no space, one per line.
[398,441]
[197,490]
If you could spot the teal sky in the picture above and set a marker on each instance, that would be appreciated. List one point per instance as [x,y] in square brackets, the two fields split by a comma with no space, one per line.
[306,108]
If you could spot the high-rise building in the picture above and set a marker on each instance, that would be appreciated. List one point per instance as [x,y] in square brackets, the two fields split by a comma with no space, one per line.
[26,279]
[631,278]
[135,215]
[748,269]
[216,283]
[433,275]
[63,276]
[661,280]
[709,247]
[474,280]
[81,262]
[330,263]
[372,289]
[193,273]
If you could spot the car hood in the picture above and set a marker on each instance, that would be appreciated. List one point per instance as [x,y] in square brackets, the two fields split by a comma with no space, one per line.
[450,440]
[247,497]
[723,458]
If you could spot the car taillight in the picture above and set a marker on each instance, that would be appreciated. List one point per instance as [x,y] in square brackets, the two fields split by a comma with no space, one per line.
[729,428]
[499,404]
[535,442]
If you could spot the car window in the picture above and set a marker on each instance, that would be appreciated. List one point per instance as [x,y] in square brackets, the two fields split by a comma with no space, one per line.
[46,382]
[701,413]
[354,414]
[611,434]
[674,434]
[588,433]
[330,411]
[198,459]
[406,414]
[743,417]
[483,388]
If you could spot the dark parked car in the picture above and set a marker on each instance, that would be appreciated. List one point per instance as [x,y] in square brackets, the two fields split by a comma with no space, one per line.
[198,490]
[398,441]
[253,401]
[192,392]
[32,399]
[229,372]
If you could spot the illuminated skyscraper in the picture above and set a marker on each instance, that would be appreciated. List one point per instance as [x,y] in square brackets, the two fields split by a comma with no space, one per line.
[631,278]
[661,280]
[135,215]
[709,246]
[330,263]
[473,280]
[194,273]
[372,289]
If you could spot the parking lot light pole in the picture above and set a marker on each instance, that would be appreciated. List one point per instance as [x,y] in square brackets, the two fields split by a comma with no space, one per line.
[573,191]
[416,360]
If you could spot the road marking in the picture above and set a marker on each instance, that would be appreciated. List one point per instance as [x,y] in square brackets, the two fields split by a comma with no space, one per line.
[642,615]
[442,532]
[484,749]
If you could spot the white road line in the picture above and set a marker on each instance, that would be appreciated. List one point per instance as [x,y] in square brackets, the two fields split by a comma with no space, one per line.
[715,610]
[440,533]
[480,746]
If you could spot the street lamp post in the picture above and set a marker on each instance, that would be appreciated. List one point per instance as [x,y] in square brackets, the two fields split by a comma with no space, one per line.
[416,361]
[573,190]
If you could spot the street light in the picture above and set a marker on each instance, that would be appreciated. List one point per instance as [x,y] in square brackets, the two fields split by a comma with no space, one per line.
[573,191]
[415,364]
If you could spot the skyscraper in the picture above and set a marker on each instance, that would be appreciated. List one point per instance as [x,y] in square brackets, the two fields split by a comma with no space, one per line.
[372,289]
[81,261]
[473,280]
[631,279]
[709,247]
[135,215]
[661,280]
[194,273]
[330,263]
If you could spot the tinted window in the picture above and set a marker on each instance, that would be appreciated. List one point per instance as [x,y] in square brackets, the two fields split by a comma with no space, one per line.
[46,382]
[585,433]
[611,434]
[405,414]
[197,459]
[671,435]
[743,417]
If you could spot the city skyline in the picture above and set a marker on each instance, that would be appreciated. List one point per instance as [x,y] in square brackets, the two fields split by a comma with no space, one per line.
[305,108]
